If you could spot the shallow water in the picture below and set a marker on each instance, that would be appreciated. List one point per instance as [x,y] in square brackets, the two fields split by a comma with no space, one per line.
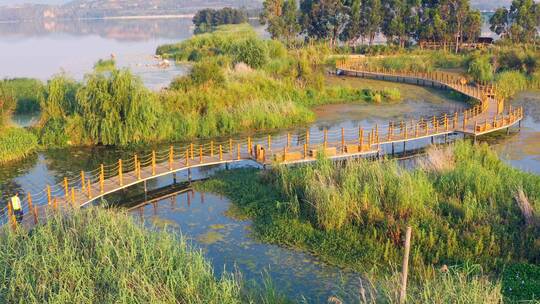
[208,222]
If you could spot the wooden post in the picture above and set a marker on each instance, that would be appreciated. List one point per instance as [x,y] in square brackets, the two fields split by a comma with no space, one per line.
[231,148]
[220,153]
[288,140]
[212,149]
[342,140]
[325,138]
[307,137]
[139,170]
[192,151]
[88,188]
[249,145]
[49,201]
[29,198]
[66,190]
[238,152]
[35,213]
[101,179]
[187,157]
[171,157]
[361,139]
[11,217]
[305,151]
[200,154]
[269,143]
[120,177]
[55,202]
[405,266]
[82,179]
[73,196]
[136,162]
[154,160]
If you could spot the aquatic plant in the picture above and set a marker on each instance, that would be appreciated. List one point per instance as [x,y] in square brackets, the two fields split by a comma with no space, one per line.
[354,214]
[16,143]
[102,256]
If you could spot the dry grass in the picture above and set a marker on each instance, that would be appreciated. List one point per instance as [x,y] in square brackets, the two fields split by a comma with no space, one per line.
[438,159]
[525,207]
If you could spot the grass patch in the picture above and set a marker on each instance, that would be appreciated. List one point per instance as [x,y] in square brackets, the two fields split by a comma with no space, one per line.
[354,214]
[16,143]
[100,256]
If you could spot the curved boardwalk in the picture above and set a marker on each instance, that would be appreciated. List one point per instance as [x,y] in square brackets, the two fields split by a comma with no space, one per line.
[487,116]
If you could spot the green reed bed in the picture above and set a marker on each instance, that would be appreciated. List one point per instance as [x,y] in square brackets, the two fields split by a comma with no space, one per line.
[16,143]
[103,256]
[465,206]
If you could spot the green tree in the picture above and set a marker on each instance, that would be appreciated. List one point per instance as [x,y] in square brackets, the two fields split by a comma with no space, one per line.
[324,19]
[282,19]
[400,20]
[473,26]
[353,30]
[519,23]
[372,17]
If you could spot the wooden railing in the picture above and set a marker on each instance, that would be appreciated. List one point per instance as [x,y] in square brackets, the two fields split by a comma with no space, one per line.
[79,190]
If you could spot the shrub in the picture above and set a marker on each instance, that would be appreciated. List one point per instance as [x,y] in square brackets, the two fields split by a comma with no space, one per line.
[521,282]
[251,51]
[510,83]
[207,72]
[27,92]
[480,69]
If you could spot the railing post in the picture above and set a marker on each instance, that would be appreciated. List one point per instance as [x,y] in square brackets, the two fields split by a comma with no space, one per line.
[187,157]
[220,153]
[101,179]
[29,199]
[269,142]
[231,148]
[238,152]
[34,211]
[249,145]
[212,149]
[120,176]
[305,151]
[66,190]
[360,139]
[154,161]
[342,140]
[49,201]
[11,216]
[288,140]
[200,154]
[325,138]
[171,157]
[82,179]
[73,197]
[88,188]
[307,137]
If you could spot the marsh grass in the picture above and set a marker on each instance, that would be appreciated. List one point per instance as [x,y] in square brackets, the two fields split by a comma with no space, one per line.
[103,256]
[16,143]
[353,214]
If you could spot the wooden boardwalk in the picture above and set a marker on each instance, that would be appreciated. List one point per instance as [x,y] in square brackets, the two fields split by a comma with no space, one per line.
[489,115]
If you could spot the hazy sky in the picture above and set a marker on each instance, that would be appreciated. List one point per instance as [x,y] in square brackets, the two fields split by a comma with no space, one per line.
[6,2]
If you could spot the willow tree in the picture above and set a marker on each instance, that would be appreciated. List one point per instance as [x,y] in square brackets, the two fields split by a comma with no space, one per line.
[117,109]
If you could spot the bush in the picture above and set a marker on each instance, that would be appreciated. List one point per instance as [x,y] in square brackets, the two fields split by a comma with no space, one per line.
[480,69]
[252,52]
[27,92]
[100,256]
[521,282]
[509,83]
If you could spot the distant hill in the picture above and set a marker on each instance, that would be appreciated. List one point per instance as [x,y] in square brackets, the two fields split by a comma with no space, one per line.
[78,9]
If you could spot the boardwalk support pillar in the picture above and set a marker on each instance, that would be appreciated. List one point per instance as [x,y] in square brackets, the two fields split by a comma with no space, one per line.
[189,175]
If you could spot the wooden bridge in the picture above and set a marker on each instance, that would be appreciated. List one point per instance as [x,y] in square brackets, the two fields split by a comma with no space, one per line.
[488,115]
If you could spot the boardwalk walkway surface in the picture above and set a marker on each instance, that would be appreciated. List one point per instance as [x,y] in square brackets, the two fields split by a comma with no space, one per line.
[489,115]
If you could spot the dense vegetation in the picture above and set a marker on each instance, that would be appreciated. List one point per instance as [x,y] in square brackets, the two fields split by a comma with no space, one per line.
[238,82]
[101,256]
[15,143]
[208,19]
[464,204]
[27,93]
